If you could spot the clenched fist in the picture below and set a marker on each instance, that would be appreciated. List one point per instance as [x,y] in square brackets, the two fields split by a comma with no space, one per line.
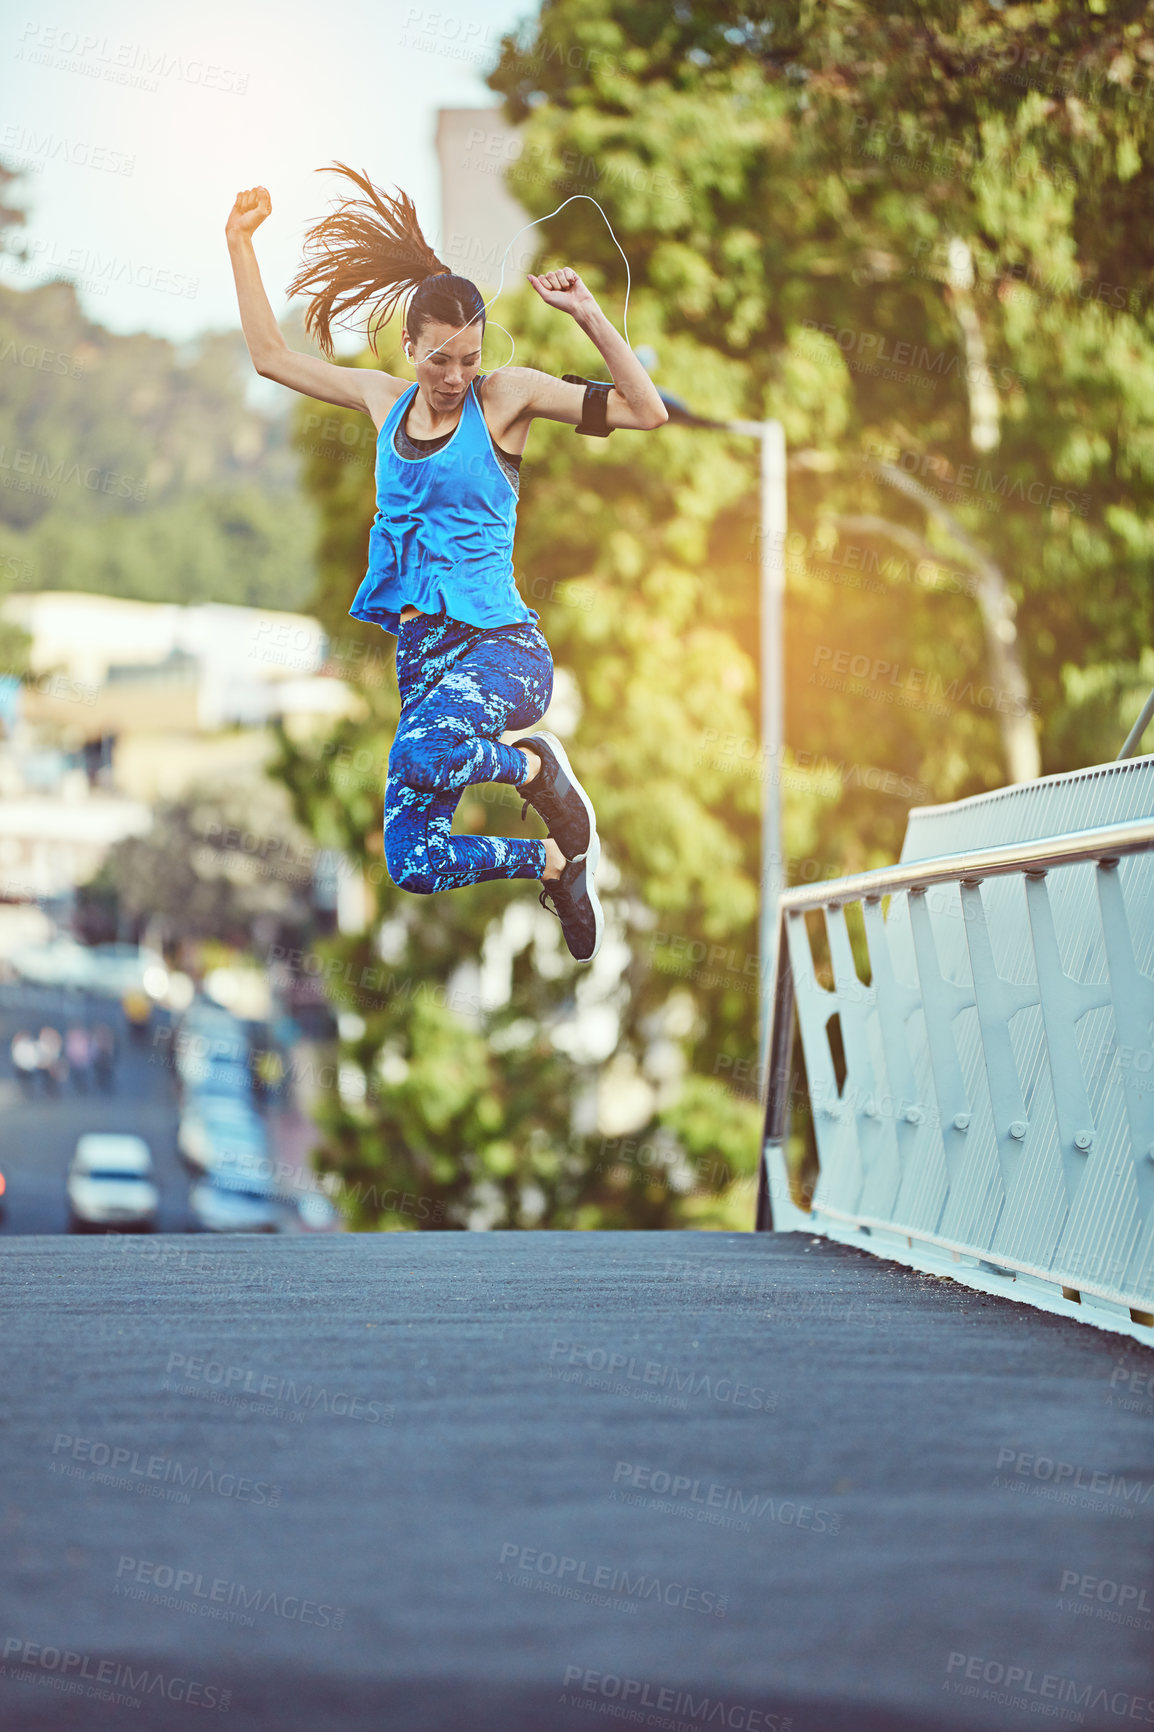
[249,211]
[563,289]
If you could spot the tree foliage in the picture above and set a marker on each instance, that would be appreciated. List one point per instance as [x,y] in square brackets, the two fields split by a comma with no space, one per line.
[878,228]
[805,184]
[916,237]
[133,466]
[484,1070]
[216,864]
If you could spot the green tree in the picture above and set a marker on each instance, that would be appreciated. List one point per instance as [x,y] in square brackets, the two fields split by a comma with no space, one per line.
[878,228]
[216,863]
[477,1069]
[133,466]
[921,234]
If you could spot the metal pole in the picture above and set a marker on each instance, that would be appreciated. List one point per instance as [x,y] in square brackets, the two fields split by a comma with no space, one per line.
[1134,737]
[771,435]
[773,528]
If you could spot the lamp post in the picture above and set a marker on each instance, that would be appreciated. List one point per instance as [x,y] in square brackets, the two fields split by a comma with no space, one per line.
[772,530]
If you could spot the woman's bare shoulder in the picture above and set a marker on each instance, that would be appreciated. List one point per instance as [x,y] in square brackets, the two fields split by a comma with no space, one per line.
[510,389]
[381,392]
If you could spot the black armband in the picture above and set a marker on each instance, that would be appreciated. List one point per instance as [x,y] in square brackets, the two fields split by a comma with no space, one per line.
[593,405]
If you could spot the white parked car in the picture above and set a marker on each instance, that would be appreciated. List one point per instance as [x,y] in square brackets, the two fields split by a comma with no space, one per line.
[110,1183]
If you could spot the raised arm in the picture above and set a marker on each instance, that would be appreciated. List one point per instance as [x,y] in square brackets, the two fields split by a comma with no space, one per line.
[348,387]
[633,402]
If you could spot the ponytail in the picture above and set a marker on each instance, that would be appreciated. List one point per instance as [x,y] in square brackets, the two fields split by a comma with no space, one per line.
[372,251]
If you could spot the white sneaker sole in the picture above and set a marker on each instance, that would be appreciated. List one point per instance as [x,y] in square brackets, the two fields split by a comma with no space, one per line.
[592,861]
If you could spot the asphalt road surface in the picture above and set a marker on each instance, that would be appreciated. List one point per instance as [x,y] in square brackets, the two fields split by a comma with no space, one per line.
[519,1482]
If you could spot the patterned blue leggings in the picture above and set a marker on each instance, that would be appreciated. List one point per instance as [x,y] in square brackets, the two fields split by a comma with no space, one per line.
[461,688]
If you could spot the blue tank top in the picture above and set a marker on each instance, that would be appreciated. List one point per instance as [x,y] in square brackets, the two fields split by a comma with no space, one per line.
[442,538]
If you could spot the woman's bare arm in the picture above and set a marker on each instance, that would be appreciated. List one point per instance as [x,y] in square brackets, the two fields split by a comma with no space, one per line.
[361,388]
[633,402]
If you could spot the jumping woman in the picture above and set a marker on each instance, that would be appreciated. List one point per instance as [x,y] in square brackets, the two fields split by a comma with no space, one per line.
[472,663]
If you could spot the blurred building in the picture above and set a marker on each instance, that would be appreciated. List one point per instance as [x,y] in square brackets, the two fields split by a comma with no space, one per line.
[49,843]
[130,702]
[140,664]
[479,216]
[123,685]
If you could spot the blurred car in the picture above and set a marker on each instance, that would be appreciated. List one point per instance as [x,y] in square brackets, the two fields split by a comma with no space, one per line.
[212,1044]
[3,1197]
[59,962]
[206,1020]
[110,1183]
[221,1079]
[315,1213]
[117,969]
[237,1196]
[214,1128]
[111,969]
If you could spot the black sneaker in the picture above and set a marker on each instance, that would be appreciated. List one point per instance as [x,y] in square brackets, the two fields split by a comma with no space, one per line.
[559,797]
[573,899]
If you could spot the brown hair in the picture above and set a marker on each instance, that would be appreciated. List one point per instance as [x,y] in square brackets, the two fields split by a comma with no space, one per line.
[373,251]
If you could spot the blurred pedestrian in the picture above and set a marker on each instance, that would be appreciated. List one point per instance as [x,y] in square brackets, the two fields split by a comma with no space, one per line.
[137,1008]
[78,1052]
[104,1057]
[25,1059]
[50,1060]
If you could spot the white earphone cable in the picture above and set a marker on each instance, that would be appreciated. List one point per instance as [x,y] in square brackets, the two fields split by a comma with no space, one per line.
[501,280]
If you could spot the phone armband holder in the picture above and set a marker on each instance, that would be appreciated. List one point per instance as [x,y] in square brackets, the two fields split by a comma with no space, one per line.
[593,406]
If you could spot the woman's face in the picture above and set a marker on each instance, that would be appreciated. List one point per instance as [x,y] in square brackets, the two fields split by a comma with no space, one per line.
[445,376]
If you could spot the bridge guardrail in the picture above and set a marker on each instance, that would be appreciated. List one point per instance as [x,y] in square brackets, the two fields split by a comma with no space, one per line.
[981,1074]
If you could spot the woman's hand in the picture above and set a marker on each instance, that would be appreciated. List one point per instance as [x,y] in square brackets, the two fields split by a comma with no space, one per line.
[564,290]
[249,211]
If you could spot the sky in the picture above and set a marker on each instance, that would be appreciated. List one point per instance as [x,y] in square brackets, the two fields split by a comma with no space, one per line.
[139,126]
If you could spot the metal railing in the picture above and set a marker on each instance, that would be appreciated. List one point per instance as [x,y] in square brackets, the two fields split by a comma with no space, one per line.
[979,1054]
